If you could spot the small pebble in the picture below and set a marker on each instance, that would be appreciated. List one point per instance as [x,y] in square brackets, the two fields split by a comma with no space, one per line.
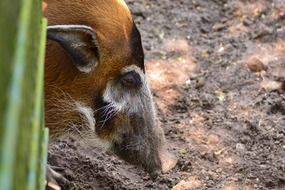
[255,65]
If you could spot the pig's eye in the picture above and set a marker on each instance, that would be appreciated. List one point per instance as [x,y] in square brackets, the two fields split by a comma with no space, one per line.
[131,79]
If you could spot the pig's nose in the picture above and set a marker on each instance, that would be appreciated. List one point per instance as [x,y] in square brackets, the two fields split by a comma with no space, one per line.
[131,79]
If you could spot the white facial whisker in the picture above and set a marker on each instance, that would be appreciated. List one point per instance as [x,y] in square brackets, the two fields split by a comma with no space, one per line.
[108,116]
[108,108]
[101,108]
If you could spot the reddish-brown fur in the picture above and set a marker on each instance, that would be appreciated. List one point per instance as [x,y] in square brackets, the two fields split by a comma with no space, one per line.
[113,24]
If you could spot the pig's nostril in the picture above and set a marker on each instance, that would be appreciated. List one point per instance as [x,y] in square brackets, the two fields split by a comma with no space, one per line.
[131,79]
[154,174]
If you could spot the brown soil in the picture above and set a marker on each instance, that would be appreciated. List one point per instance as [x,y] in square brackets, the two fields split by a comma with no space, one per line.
[217,70]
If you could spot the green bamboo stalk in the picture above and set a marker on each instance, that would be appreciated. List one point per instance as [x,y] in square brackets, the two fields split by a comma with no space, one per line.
[43,159]
[37,120]
[44,132]
[14,103]
[23,140]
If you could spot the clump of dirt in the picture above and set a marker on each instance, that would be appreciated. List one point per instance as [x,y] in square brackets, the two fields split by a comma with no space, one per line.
[223,120]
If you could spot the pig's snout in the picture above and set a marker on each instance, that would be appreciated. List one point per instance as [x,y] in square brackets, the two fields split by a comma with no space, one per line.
[168,161]
[147,149]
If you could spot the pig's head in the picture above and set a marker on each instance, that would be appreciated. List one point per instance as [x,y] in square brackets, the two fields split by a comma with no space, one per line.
[95,82]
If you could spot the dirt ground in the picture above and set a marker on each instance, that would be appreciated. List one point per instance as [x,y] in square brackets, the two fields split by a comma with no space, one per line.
[217,71]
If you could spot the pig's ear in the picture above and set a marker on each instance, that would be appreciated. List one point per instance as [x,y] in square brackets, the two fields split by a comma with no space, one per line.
[79,41]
